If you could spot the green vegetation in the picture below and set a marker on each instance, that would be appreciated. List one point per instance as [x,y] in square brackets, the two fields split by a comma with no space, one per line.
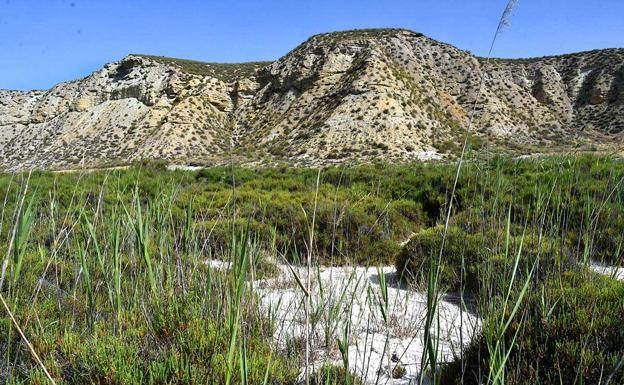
[365,33]
[332,374]
[571,332]
[105,272]
[117,293]
[413,261]
[518,257]
[472,252]
[227,72]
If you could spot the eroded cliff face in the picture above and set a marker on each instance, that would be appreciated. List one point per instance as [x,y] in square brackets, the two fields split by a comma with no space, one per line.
[397,94]
[134,109]
[356,95]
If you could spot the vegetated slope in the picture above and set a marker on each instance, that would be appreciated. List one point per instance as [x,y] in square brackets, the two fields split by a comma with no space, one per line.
[347,96]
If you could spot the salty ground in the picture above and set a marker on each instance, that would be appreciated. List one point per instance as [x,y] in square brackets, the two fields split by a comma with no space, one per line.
[348,304]
[611,271]
[348,301]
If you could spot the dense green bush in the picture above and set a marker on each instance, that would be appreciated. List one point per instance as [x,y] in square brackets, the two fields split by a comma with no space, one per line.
[184,341]
[571,334]
[483,254]
[606,242]
[422,252]
[364,211]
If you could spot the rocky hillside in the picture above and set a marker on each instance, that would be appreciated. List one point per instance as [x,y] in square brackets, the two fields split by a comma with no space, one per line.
[338,97]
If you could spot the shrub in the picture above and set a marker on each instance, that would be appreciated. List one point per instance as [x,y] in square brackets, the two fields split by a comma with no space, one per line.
[483,254]
[422,251]
[571,334]
[334,374]
[399,371]
[607,243]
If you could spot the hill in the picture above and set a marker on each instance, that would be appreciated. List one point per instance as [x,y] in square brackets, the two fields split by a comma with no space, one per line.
[351,96]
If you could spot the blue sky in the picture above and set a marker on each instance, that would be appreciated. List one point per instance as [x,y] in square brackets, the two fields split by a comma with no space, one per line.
[43,42]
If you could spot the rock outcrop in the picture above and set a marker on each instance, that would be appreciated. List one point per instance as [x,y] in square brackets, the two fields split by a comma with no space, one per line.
[347,96]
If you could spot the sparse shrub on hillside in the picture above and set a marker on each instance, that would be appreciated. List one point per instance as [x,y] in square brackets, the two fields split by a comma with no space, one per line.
[380,145]
[226,72]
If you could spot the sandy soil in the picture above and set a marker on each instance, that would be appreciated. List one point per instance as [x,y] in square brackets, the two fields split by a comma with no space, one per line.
[183,167]
[351,297]
[611,271]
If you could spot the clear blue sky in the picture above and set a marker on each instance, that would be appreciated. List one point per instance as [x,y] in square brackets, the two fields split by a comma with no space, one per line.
[43,42]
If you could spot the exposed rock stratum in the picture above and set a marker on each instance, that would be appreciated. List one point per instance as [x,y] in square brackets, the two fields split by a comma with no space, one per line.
[361,95]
